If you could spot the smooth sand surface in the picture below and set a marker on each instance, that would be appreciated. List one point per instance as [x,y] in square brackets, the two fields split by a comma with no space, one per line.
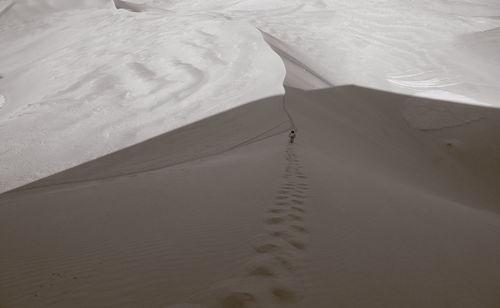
[384,200]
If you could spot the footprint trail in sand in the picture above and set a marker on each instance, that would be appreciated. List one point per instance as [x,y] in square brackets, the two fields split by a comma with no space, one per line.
[269,278]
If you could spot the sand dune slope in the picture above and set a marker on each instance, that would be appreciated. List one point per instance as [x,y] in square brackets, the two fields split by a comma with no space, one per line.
[385,200]
[102,79]
[396,204]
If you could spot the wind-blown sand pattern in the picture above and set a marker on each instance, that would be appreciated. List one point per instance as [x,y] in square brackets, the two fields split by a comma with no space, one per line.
[269,279]
[107,74]
[367,208]
[384,200]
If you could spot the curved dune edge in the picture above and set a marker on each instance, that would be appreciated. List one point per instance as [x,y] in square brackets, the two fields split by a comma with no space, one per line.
[365,209]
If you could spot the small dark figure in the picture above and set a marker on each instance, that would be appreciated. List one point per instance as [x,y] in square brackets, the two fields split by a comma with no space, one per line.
[292,136]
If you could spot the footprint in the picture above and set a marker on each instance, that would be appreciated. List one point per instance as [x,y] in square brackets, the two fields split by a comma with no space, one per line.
[297,244]
[276,211]
[275,251]
[285,264]
[298,209]
[296,217]
[273,221]
[238,300]
[261,270]
[278,233]
[265,248]
[299,228]
[284,295]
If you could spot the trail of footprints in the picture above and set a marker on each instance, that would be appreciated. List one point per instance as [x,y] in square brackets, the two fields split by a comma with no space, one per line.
[285,219]
[269,280]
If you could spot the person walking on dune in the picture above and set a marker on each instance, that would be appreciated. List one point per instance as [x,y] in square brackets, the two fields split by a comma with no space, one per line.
[292,136]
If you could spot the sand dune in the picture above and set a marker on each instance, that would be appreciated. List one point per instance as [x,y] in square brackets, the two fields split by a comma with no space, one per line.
[103,79]
[385,200]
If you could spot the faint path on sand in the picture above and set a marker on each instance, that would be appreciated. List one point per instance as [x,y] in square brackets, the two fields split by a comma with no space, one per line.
[269,279]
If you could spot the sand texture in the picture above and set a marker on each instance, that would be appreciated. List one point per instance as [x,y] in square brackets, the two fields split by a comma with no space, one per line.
[369,207]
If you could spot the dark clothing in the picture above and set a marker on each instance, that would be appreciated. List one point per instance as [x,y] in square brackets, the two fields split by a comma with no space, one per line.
[292,136]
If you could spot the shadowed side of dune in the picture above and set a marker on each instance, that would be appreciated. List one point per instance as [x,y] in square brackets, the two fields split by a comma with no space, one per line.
[124,5]
[403,199]
[111,233]
[379,202]
[445,147]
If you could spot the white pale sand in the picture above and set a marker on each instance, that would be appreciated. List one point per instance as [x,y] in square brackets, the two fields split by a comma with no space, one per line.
[77,84]
[80,79]
[371,207]
[384,200]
